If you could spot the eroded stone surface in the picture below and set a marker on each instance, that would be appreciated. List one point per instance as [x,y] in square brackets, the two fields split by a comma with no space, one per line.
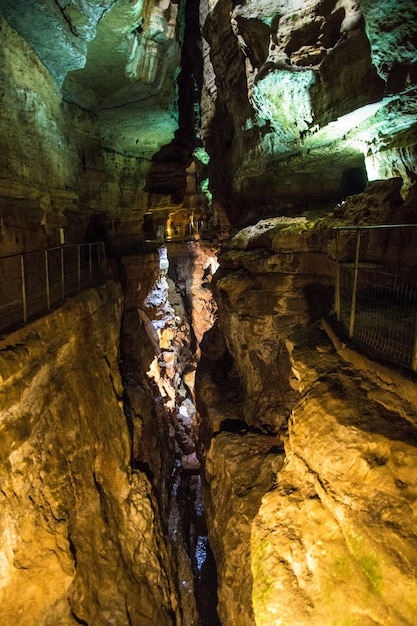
[239,469]
[338,529]
[169,305]
[55,172]
[312,103]
[272,278]
[335,526]
[81,536]
[301,101]
[91,94]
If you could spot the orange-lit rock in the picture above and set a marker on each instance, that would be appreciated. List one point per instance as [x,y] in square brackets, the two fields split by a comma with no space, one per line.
[73,513]
[262,116]
[328,435]
[272,279]
[337,533]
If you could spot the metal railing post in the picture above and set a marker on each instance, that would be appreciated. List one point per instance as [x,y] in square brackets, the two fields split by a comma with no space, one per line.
[62,274]
[23,280]
[337,289]
[90,264]
[48,293]
[414,354]
[355,284]
[99,261]
[104,260]
[79,267]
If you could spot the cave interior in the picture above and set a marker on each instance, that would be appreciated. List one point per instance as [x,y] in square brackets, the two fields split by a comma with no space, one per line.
[208,305]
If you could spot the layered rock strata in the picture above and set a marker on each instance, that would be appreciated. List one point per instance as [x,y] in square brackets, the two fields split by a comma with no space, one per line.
[303,102]
[273,277]
[102,118]
[81,535]
[308,448]
[55,172]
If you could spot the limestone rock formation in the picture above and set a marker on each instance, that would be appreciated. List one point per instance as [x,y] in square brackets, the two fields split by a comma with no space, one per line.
[54,170]
[337,532]
[275,121]
[273,277]
[239,468]
[90,91]
[308,447]
[81,537]
[319,97]
[168,307]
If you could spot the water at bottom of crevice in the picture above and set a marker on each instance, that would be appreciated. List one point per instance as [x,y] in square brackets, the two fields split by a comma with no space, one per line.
[206,589]
[204,565]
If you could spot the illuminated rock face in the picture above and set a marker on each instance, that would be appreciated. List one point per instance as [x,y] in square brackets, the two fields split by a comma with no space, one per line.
[54,171]
[169,306]
[319,96]
[240,468]
[73,512]
[335,540]
[309,459]
[309,448]
[107,55]
[273,277]
[90,90]
[300,103]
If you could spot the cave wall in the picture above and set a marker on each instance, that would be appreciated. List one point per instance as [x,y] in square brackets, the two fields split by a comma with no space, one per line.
[309,466]
[81,536]
[308,446]
[302,103]
[98,430]
[337,530]
[38,161]
[168,307]
[90,111]
[55,172]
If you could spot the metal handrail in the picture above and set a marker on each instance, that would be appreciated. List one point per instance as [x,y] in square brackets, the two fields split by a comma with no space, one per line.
[31,283]
[374,226]
[376,292]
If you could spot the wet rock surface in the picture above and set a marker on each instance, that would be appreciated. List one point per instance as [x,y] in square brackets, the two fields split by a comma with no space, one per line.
[169,307]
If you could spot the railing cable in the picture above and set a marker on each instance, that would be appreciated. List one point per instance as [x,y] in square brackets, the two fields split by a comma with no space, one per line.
[32,283]
[376,289]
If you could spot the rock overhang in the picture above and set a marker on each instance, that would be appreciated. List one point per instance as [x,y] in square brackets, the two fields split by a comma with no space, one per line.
[303,102]
[118,60]
[330,104]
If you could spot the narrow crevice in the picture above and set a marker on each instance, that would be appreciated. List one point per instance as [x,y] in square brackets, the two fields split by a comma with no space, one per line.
[79,620]
[167,426]
[202,559]
[73,551]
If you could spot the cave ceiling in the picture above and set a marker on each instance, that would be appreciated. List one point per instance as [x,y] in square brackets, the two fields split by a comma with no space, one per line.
[330,100]
[298,100]
[118,59]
